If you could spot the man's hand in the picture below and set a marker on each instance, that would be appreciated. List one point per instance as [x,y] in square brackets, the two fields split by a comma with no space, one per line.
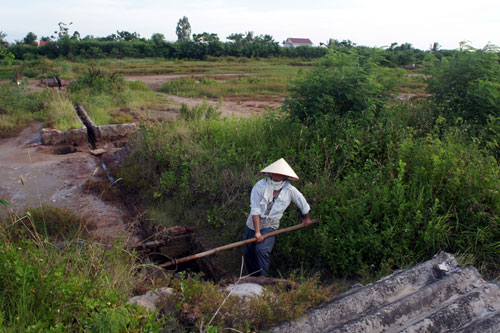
[259,237]
[307,220]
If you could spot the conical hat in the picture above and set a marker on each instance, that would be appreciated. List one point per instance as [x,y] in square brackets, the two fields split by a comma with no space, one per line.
[280,167]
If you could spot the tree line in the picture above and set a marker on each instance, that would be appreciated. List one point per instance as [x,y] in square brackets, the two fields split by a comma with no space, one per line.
[125,44]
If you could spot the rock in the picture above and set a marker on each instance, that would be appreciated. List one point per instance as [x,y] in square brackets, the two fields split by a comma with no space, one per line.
[144,302]
[114,132]
[52,136]
[435,296]
[97,152]
[151,299]
[245,289]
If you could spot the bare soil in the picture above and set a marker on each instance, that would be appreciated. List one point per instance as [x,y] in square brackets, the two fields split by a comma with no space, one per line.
[58,176]
[232,106]
[33,175]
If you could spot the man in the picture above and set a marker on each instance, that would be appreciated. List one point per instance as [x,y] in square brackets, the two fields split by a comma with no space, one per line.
[269,199]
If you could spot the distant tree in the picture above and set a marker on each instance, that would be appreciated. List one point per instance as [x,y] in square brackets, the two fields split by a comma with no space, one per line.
[404,47]
[249,37]
[435,47]
[264,39]
[331,43]
[346,43]
[122,36]
[3,42]
[183,29]
[88,37]
[6,54]
[393,45]
[158,38]
[45,39]
[30,39]
[63,31]
[76,35]
[128,36]
[205,38]
[235,37]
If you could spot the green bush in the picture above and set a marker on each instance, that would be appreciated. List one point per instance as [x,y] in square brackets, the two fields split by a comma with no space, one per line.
[388,195]
[467,85]
[344,83]
[109,99]
[18,108]
[81,286]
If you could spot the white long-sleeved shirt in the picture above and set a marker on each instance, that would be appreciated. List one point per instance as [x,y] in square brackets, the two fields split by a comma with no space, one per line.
[258,203]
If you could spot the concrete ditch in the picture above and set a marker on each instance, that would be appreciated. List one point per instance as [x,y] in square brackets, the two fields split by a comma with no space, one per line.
[91,133]
[435,296]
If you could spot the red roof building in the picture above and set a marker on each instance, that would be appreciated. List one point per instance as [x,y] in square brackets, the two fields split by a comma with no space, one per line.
[294,42]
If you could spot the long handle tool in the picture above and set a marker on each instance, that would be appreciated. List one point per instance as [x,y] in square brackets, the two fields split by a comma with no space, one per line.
[232,245]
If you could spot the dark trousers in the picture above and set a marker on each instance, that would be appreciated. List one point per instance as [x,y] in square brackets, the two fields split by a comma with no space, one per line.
[257,255]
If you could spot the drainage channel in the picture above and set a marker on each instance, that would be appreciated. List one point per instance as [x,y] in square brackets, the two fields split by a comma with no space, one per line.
[168,248]
[93,134]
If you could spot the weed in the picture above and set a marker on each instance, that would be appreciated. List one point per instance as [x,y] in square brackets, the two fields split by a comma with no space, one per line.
[200,303]
[77,286]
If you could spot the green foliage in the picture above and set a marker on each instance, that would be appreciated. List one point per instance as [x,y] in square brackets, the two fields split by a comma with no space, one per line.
[97,80]
[4,203]
[30,39]
[271,85]
[46,222]
[108,98]
[204,299]
[6,56]
[183,29]
[390,191]
[198,112]
[81,286]
[18,108]
[344,83]
[467,85]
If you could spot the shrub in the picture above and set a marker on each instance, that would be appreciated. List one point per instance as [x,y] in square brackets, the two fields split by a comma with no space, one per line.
[204,299]
[18,108]
[388,195]
[344,83]
[467,85]
[78,287]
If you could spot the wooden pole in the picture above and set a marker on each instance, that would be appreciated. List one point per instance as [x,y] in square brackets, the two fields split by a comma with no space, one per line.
[232,245]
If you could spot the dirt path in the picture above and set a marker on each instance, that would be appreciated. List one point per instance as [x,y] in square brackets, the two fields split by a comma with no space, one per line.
[58,180]
[233,106]
[61,180]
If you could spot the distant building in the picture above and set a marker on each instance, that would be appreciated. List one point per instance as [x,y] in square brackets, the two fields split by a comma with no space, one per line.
[42,43]
[294,42]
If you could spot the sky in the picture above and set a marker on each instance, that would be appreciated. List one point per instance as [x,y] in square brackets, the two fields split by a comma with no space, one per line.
[364,22]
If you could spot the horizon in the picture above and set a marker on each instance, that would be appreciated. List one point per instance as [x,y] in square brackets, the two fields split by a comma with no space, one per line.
[363,22]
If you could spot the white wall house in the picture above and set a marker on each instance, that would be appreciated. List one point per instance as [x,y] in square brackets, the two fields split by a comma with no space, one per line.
[294,42]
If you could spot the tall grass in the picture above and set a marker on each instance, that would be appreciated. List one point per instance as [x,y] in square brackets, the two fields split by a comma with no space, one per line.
[256,87]
[55,278]
[18,108]
[59,112]
[390,191]
[105,95]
